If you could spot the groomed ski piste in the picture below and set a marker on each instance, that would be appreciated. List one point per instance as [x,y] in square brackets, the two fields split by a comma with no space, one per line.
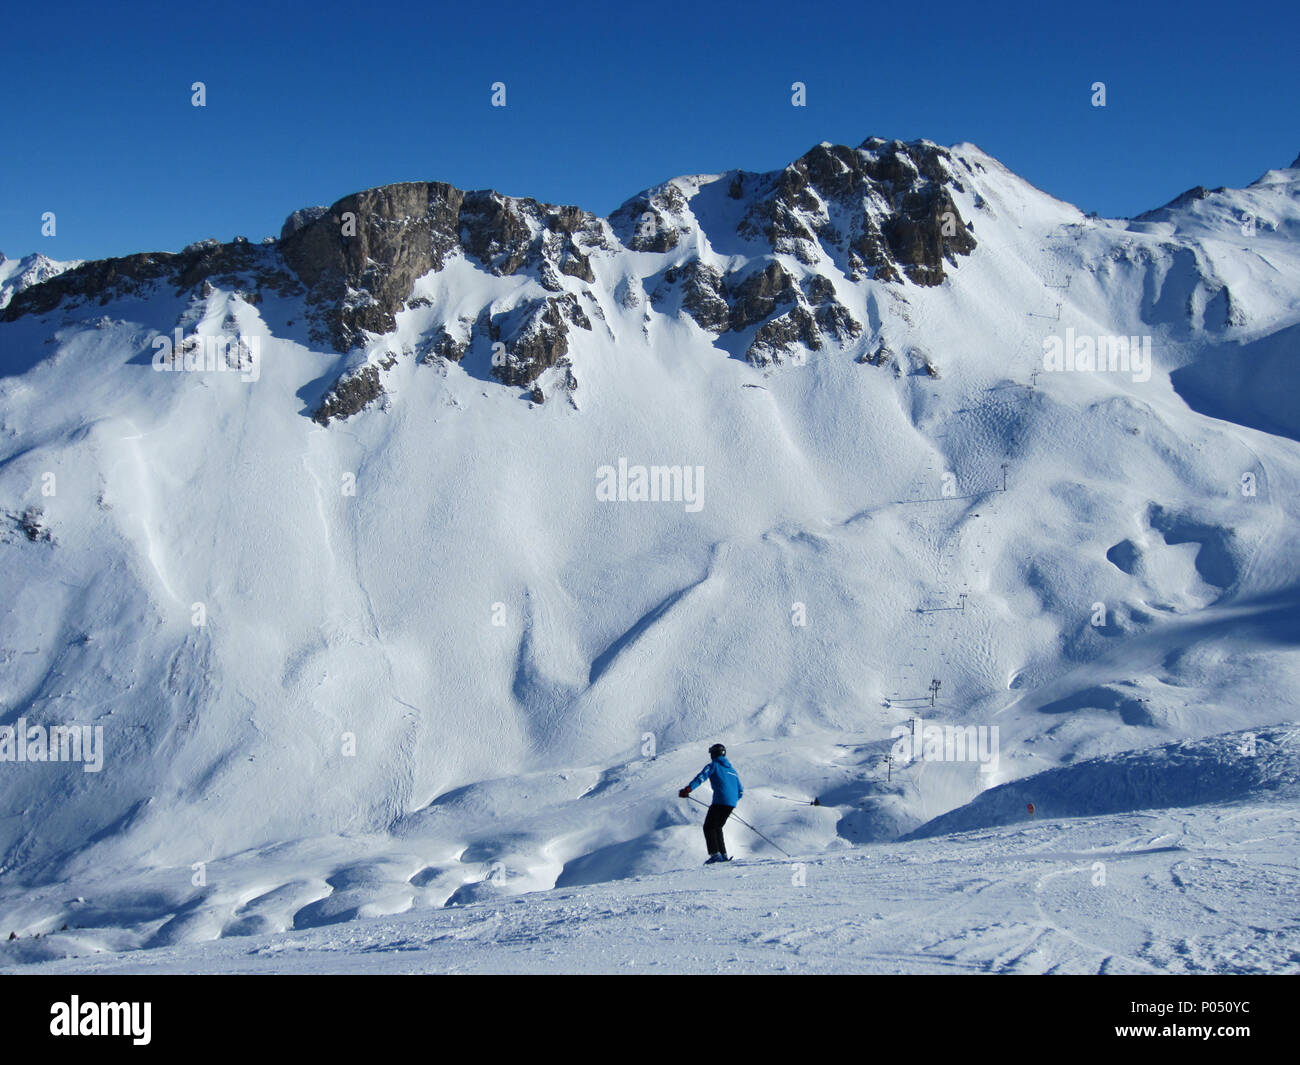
[1209,888]
[1100,566]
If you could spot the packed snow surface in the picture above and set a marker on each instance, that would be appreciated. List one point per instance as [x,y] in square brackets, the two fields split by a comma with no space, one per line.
[350,674]
[1210,889]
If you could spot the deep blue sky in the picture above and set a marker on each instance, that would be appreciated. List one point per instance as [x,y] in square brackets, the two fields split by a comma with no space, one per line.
[308,102]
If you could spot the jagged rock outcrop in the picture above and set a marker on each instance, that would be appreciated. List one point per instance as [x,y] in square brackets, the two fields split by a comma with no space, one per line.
[360,259]
[883,211]
[815,315]
[33,526]
[304,216]
[28,271]
[539,338]
[703,295]
[880,355]
[350,394]
[777,338]
[832,317]
[236,264]
[760,294]
[450,343]
[901,216]
[768,298]
[926,232]
[651,221]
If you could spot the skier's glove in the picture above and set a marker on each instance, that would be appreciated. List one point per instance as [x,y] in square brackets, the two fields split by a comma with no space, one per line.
[685,793]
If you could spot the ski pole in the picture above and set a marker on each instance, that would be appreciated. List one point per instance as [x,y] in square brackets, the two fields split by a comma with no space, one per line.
[743,822]
[802,802]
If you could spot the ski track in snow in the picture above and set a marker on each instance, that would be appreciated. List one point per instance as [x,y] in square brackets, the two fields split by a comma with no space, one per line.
[525,769]
[1018,900]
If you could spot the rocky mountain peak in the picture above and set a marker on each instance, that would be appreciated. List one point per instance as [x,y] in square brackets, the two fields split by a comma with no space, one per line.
[361,257]
[882,212]
[20,274]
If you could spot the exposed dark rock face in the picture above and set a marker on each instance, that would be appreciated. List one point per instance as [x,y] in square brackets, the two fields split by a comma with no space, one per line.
[925,232]
[351,393]
[902,219]
[32,524]
[704,298]
[719,305]
[651,221]
[896,222]
[101,280]
[776,339]
[760,294]
[360,260]
[449,345]
[302,217]
[883,211]
[703,295]
[834,319]
[540,337]
[494,232]
[237,264]
[832,316]
[881,355]
[575,264]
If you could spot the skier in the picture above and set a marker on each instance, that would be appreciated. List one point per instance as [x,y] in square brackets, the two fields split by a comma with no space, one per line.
[727,792]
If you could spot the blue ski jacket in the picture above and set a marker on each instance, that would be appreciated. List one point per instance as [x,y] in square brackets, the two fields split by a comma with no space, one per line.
[727,788]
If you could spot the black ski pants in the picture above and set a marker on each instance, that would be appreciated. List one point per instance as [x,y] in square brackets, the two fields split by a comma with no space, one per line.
[713,822]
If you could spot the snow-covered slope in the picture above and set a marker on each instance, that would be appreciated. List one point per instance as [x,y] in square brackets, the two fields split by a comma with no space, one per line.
[1205,890]
[18,274]
[364,631]
[1238,766]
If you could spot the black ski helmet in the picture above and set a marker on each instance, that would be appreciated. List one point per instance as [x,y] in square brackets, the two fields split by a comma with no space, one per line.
[717,751]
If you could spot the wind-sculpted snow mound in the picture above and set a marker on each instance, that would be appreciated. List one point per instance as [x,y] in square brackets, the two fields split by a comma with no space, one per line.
[1191,890]
[1227,768]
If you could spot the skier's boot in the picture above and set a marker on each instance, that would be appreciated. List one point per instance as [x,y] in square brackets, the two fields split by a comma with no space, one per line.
[722,857]
[713,858]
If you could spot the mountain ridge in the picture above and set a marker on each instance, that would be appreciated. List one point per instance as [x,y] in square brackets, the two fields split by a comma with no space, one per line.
[903,229]
[363,632]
